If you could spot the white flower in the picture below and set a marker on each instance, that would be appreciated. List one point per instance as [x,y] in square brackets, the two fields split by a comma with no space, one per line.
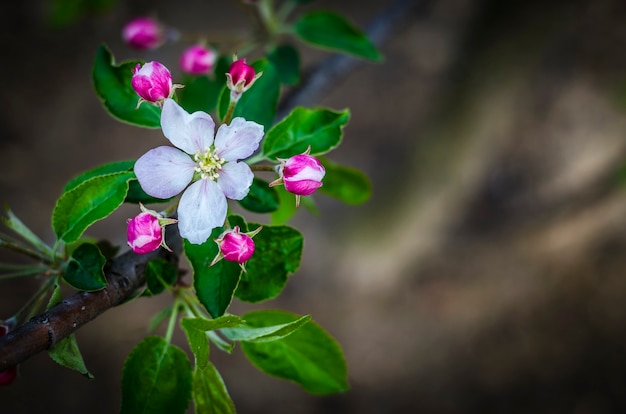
[210,163]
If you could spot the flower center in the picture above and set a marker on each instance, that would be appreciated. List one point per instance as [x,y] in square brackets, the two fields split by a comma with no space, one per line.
[209,164]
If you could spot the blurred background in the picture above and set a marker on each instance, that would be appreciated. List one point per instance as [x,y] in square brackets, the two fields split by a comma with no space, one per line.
[487,273]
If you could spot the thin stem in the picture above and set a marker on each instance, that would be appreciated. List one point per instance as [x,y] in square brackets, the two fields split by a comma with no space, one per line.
[18,248]
[24,272]
[172,322]
[231,110]
[31,308]
[265,167]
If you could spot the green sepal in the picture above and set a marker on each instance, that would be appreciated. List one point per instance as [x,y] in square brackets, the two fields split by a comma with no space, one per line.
[209,392]
[320,129]
[88,202]
[261,198]
[113,86]
[309,356]
[156,379]
[250,333]
[84,269]
[330,31]
[277,254]
[215,284]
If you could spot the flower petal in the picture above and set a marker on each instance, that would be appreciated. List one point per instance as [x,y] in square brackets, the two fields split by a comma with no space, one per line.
[202,208]
[235,179]
[189,132]
[238,140]
[164,172]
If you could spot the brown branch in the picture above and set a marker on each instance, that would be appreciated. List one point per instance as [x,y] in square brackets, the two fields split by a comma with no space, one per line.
[125,275]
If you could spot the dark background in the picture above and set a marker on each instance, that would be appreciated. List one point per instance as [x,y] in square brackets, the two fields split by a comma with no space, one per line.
[485,275]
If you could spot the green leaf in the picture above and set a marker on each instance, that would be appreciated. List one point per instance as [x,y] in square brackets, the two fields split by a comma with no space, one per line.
[249,333]
[286,59]
[88,202]
[160,275]
[215,284]
[260,102]
[15,224]
[345,183]
[113,86]
[330,31]
[136,195]
[309,356]
[277,254]
[321,129]
[84,269]
[196,330]
[105,169]
[156,379]
[209,392]
[287,208]
[237,220]
[201,93]
[261,199]
[66,353]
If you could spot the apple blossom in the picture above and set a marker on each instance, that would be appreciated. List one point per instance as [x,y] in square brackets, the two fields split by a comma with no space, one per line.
[235,246]
[145,231]
[207,161]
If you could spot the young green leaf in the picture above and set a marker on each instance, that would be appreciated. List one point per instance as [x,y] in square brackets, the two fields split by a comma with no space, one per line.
[309,356]
[345,183]
[15,224]
[260,102]
[330,31]
[277,254]
[196,330]
[261,198]
[113,86]
[321,129]
[209,392]
[160,275]
[249,333]
[215,284]
[84,269]
[105,169]
[66,353]
[88,202]
[156,379]
[286,59]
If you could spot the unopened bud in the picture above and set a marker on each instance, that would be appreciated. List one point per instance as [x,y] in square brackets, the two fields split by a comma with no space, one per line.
[143,33]
[301,174]
[152,82]
[198,60]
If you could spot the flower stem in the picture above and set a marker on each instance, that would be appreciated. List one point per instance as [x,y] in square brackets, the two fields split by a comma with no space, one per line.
[172,321]
[231,109]
[262,168]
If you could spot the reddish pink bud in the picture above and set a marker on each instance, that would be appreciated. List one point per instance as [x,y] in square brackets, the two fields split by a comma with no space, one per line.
[143,33]
[144,233]
[302,174]
[235,246]
[240,77]
[7,376]
[152,82]
[198,60]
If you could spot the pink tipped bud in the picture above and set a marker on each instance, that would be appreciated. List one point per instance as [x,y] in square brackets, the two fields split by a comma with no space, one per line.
[235,246]
[302,174]
[240,77]
[152,82]
[145,231]
[198,60]
[7,376]
[143,33]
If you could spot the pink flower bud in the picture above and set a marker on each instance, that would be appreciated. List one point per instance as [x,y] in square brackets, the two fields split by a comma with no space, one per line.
[143,33]
[198,60]
[302,174]
[240,76]
[7,376]
[152,82]
[235,246]
[144,233]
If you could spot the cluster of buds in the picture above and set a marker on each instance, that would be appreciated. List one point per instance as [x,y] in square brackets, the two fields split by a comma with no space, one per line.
[301,174]
[145,232]
[7,376]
